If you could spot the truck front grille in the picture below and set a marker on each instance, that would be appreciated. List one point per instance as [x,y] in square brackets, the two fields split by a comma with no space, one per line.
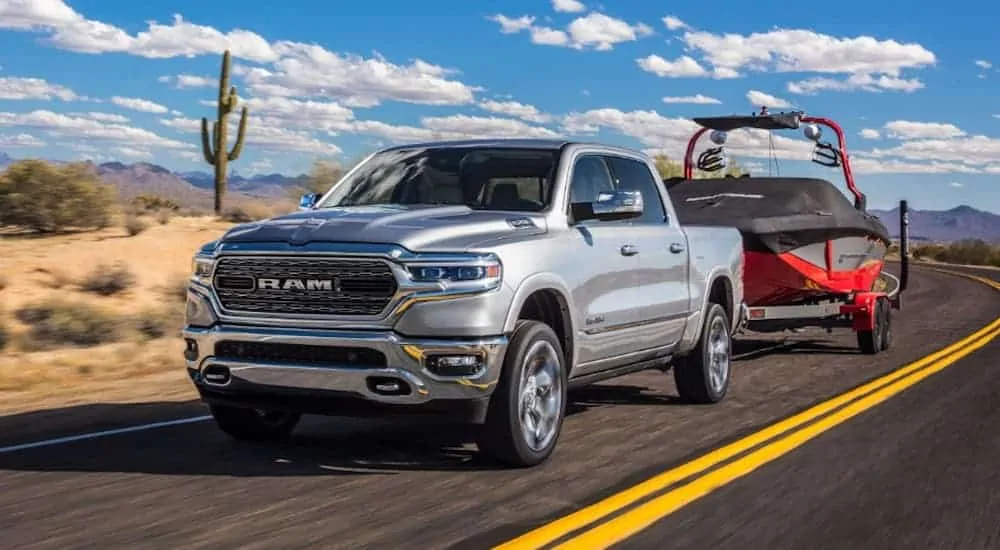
[303,285]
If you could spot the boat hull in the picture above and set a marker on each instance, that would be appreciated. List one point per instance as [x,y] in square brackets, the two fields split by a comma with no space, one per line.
[824,269]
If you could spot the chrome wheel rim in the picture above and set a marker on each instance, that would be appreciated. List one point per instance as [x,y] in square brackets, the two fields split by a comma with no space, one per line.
[540,395]
[718,354]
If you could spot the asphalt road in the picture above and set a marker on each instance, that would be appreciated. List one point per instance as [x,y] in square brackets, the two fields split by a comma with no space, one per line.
[914,471]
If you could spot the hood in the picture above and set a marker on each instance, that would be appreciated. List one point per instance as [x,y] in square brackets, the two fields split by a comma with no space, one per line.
[413,227]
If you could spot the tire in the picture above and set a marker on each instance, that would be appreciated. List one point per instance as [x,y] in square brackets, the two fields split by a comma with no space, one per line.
[503,437]
[879,338]
[703,375]
[253,424]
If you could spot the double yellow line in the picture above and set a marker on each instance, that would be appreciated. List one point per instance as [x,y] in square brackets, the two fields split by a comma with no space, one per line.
[780,439]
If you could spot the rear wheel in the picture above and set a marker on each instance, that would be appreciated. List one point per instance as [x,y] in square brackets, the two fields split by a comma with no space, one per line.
[703,375]
[525,414]
[254,424]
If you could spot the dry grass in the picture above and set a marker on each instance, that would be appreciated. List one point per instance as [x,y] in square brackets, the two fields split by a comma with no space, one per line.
[80,313]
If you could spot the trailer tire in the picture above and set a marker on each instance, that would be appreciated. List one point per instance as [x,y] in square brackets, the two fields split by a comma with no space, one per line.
[703,375]
[879,338]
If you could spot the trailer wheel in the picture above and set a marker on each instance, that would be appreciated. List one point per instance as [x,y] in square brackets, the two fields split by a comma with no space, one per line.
[886,323]
[879,338]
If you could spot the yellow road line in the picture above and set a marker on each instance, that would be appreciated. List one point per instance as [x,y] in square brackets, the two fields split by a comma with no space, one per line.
[561,527]
[641,517]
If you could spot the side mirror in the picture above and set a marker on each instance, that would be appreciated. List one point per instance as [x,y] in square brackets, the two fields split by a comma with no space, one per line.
[308,201]
[618,205]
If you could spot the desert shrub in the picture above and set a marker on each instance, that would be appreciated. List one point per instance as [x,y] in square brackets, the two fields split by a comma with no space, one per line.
[175,289]
[157,323]
[57,323]
[134,225]
[151,203]
[245,213]
[4,334]
[108,280]
[163,216]
[40,196]
[4,282]
[970,251]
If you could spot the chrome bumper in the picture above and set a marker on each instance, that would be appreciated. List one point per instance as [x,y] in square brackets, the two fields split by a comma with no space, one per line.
[405,361]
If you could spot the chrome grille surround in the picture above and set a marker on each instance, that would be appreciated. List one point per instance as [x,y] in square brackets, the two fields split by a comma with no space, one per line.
[354,286]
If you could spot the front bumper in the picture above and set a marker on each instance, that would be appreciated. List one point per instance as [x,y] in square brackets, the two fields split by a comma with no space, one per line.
[231,375]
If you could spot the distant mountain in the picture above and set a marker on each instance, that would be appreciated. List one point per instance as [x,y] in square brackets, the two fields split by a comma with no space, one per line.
[193,189]
[261,185]
[961,222]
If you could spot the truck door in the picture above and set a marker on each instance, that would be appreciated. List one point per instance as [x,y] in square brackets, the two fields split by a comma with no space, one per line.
[601,267]
[662,280]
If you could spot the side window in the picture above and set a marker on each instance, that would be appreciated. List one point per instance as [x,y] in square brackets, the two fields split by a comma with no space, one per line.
[590,177]
[634,175]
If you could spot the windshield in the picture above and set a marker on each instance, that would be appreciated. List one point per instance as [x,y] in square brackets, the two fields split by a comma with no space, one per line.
[480,178]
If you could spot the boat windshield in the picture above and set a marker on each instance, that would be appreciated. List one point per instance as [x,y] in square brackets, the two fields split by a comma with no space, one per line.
[482,178]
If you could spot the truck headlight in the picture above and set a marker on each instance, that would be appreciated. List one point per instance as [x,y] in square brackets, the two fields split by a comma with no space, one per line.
[202,269]
[484,274]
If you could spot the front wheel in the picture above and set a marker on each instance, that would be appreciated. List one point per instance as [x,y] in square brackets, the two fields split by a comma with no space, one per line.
[254,424]
[525,414]
[703,375]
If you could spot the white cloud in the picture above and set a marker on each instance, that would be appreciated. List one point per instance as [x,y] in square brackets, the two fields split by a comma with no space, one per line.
[261,166]
[33,88]
[137,104]
[133,153]
[697,99]
[983,64]
[760,99]
[182,81]
[301,69]
[801,50]
[265,134]
[972,150]
[906,129]
[595,30]
[855,82]
[670,135]
[62,125]
[511,25]
[103,117]
[515,109]
[864,165]
[313,71]
[869,133]
[311,115]
[20,140]
[452,127]
[568,6]
[683,66]
[673,23]
[955,184]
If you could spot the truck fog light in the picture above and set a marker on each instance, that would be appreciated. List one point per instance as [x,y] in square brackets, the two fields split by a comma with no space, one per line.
[454,365]
[190,349]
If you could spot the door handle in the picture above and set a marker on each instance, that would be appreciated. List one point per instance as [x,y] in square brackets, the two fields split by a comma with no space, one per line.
[676,248]
[629,250]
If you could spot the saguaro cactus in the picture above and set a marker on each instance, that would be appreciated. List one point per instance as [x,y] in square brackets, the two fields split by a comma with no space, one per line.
[215,150]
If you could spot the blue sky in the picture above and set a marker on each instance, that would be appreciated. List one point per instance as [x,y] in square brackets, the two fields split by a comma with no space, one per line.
[115,80]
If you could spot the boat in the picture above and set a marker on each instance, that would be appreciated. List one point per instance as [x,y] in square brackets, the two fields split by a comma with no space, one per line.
[806,243]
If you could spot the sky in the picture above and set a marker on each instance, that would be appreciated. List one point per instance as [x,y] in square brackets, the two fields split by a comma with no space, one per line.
[913,86]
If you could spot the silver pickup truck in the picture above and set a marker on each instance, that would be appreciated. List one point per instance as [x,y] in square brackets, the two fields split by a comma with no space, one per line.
[479,280]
